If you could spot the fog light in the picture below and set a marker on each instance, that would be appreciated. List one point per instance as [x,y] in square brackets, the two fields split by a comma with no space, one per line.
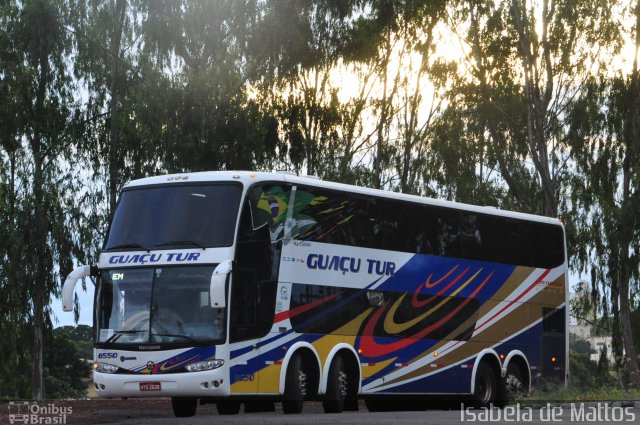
[206,365]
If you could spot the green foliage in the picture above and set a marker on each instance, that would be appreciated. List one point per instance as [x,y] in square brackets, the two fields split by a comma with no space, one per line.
[66,369]
[587,374]
[81,336]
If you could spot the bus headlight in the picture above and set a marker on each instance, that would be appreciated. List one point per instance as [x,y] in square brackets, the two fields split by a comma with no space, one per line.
[105,368]
[206,365]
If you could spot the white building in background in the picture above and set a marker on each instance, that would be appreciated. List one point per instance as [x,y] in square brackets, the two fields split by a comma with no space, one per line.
[583,330]
[598,343]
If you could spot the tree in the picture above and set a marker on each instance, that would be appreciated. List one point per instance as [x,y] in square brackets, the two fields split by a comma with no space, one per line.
[65,371]
[39,80]
[211,124]
[607,238]
[528,61]
[606,142]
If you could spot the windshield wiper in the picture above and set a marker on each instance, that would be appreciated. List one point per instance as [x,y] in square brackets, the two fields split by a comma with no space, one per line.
[118,334]
[184,242]
[188,338]
[128,245]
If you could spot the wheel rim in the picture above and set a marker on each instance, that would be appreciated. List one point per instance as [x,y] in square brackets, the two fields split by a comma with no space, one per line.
[343,383]
[302,382]
[484,389]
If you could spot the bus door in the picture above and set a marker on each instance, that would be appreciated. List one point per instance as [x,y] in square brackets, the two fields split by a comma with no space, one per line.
[253,297]
[252,310]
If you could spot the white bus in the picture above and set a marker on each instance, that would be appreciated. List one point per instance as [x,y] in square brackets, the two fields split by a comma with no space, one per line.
[248,287]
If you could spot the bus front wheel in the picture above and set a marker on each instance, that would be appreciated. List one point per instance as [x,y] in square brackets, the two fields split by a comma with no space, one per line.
[184,407]
[295,388]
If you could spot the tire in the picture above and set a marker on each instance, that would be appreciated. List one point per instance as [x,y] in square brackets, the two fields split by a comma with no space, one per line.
[486,386]
[228,407]
[295,386]
[184,407]
[338,386]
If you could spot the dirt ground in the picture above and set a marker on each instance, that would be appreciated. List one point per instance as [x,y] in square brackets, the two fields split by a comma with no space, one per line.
[92,411]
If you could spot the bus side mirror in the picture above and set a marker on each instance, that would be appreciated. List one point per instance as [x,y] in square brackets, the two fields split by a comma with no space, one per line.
[218,283]
[70,284]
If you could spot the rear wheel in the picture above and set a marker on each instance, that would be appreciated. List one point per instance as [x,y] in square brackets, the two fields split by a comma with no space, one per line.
[295,389]
[486,386]
[338,386]
[514,382]
[228,407]
[184,407]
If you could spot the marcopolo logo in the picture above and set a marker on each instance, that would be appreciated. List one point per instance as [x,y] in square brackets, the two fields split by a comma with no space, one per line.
[25,412]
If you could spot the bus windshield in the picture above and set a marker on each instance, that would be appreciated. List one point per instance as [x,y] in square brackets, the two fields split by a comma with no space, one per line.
[157,306]
[175,216]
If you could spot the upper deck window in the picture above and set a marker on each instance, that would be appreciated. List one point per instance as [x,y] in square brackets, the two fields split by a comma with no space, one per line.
[176,216]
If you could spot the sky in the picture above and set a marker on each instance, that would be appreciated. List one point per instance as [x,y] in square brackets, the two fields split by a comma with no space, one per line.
[63,318]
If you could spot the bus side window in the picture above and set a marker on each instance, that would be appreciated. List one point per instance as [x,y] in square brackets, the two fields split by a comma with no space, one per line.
[421,230]
[470,237]
[448,233]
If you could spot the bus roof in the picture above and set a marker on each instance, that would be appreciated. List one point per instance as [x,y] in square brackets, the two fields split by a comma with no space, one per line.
[251,177]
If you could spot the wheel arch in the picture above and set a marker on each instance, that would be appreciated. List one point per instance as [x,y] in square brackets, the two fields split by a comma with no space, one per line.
[519,358]
[327,365]
[490,356]
[308,351]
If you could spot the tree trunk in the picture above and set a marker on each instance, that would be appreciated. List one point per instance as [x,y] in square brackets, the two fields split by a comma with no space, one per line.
[37,385]
[113,106]
[536,98]
[630,359]
[628,215]
[39,228]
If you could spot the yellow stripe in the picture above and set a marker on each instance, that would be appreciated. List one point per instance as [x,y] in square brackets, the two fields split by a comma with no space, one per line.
[391,327]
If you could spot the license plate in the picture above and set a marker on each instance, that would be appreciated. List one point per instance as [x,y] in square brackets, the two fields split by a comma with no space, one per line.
[150,386]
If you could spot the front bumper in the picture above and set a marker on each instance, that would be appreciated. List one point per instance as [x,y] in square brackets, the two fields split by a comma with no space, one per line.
[210,383]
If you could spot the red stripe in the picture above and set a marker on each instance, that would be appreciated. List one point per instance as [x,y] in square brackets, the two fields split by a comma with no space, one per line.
[503,309]
[428,284]
[516,300]
[372,349]
[417,304]
[299,310]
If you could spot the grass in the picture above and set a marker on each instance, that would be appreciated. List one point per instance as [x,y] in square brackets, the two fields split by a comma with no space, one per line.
[585,395]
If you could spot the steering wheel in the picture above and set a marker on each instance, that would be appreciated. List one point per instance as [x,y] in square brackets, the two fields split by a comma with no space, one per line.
[137,322]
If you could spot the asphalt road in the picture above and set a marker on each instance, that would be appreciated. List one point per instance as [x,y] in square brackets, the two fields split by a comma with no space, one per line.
[576,413]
